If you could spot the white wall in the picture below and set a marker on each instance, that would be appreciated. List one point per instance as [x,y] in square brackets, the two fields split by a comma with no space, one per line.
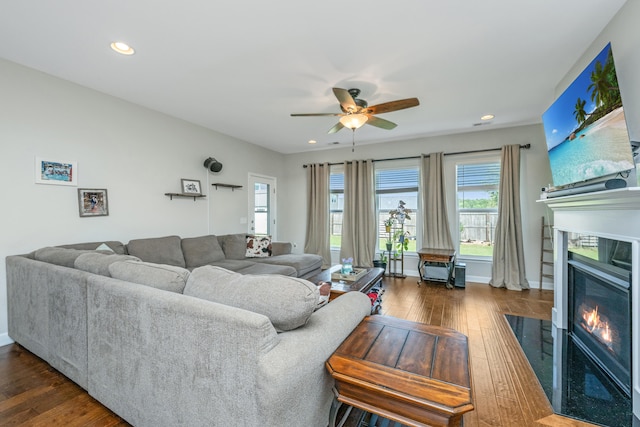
[624,34]
[135,153]
[535,175]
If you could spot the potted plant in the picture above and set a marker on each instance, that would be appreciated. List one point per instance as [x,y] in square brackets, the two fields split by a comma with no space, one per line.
[402,240]
[389,244]
[382,262]
[388,223]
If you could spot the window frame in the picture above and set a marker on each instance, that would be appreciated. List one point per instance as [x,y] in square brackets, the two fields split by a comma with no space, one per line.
[415,214]
[493,159]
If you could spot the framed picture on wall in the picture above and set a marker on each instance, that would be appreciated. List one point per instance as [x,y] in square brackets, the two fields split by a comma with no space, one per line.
[191,186]
[93,202]
[56,172]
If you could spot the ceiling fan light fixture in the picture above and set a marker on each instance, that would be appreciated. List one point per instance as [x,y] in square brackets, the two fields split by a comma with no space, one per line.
[354,121]
[122,48]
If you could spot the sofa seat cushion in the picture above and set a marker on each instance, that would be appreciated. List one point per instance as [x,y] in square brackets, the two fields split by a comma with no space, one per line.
[288,302]
[303,263]
[233,264]
[98,263]
[160,276]
[262,268]
[203,250]
[159,250]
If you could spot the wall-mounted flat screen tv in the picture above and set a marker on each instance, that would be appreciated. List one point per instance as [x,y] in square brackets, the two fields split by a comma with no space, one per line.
[585,128]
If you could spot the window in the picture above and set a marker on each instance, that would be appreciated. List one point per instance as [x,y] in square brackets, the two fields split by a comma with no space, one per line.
[336,205]
[477,190]
[392,185]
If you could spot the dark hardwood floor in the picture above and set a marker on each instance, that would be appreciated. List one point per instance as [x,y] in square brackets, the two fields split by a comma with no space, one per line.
[505,389]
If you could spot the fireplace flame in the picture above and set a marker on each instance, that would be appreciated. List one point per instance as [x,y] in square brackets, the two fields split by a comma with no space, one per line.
[597,327]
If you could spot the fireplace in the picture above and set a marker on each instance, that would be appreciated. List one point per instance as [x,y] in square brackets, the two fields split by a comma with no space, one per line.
[599,312]
[613,217]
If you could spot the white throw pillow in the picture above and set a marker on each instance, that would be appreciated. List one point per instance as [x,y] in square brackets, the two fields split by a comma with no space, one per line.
[258,246]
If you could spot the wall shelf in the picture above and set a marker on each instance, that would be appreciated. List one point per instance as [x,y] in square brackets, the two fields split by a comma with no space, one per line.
[195,196]
[231,186]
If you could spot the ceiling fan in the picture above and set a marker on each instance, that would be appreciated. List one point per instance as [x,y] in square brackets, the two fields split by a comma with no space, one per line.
[356,112]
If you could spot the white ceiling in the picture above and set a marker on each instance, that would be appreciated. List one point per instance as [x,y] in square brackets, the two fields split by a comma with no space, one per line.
[241,67]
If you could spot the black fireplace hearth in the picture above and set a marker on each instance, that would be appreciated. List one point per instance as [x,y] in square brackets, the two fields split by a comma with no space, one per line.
[575,386]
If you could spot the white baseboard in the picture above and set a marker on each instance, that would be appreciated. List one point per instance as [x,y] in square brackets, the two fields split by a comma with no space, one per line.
[5,340]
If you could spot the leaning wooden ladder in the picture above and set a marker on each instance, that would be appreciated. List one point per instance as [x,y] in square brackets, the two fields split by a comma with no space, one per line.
[546,252]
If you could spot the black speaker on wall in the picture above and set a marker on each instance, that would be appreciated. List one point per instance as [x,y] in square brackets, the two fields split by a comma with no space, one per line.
[213,165]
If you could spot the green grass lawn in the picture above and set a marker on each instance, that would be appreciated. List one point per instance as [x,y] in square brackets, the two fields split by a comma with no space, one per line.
[475,249]
[465,248]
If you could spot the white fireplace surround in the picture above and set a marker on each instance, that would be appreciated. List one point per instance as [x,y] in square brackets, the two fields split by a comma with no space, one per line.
[613,214]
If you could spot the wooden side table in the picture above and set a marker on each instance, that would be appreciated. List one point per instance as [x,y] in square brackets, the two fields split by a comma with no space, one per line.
[408,372]
[444,258]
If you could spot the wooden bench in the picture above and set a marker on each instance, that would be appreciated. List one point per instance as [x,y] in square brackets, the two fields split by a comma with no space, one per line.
[408,372]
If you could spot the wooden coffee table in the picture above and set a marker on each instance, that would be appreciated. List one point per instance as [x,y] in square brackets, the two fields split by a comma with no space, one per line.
[363,284]
[412,373]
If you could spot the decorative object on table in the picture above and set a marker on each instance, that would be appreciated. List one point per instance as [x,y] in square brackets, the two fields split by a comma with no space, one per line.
[56,172]
[347,266]
[191,186]
[93,202]
[212,165]
[352,276]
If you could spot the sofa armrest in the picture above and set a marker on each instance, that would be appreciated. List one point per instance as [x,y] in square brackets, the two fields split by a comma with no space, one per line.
[281,248]
[294,370]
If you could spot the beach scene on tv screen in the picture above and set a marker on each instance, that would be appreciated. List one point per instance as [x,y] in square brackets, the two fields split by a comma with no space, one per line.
[585,128]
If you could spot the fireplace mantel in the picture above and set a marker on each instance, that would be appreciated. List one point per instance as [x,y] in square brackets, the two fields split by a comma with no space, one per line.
[623,198]
[613,214]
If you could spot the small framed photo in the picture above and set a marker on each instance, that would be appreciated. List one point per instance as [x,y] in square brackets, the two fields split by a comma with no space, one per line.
[93,202]
[56,172]
[191,186]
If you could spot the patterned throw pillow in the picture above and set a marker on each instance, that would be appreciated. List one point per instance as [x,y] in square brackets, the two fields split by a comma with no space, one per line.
[258,246]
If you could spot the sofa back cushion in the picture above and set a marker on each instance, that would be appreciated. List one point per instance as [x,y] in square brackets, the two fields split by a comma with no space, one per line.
[286,301]
[234,245]
[160,276]
[59,256]
[159,250]
[201,250]
[98,263]
[113,245]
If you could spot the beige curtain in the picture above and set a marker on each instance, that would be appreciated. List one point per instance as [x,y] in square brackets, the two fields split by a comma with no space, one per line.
[359,217]
[317,238]
[508,270]
[436,233]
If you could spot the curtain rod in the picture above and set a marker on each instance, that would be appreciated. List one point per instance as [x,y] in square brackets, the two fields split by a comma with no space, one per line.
[525,146]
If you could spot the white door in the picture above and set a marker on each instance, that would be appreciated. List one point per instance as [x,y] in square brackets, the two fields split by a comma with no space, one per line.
[262,205]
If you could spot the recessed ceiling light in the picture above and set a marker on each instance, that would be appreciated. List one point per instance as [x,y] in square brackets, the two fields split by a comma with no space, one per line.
[122,48]
[312,141]
[487,117]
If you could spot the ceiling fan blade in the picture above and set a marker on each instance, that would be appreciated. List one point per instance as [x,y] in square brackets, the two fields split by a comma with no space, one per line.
[336,128]
[346,100]
[381,123]
[314,114]
[388,107]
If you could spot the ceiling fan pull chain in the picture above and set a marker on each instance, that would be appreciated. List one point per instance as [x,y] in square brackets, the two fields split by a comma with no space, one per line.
[353,140]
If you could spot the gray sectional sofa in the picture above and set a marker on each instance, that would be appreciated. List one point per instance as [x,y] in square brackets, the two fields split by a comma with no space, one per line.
[193,344]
